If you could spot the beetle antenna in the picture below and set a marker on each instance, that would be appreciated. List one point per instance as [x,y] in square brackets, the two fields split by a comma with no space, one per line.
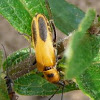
[54,93]
[62,93]
[54,32]
[51,22]
[48,9]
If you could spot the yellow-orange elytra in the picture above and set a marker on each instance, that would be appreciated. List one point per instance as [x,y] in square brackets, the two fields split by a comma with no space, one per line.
[44,50]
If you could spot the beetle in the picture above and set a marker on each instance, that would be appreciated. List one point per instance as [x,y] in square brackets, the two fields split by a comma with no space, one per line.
[44,50]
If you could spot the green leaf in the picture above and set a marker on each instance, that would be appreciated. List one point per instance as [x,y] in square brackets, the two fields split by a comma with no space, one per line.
[20,12]
[89,80]
[82,47]
[33,84]
[3,86]
[3,89]
[66,16]
[19,63]
[17,57]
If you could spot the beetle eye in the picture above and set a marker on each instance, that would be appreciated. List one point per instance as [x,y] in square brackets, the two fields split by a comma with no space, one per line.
[50,75]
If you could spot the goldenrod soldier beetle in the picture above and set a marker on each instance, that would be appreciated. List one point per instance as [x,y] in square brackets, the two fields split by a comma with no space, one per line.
[44,49]
[9,82]
[43,45]
[43,39]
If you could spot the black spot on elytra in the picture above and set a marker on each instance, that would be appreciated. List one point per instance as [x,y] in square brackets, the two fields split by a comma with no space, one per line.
[34,32]
[42,29]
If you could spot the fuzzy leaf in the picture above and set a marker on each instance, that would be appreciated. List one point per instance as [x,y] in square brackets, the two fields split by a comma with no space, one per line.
[3,89]
[66,16]
[20,12]
[19,63]
[89,80]
[82,47]
[3,86]
[33,84]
